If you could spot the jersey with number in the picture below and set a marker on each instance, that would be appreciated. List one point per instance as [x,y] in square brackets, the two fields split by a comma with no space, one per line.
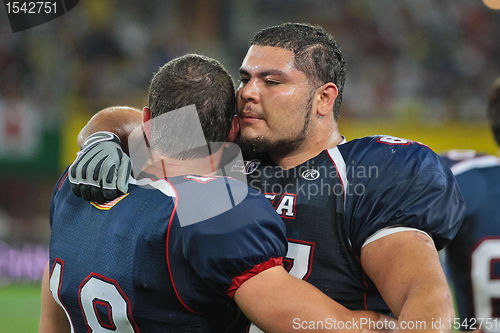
[473,257]
[166,257]
[333,202]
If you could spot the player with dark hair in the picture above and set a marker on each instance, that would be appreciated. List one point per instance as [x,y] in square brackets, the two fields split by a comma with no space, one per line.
[316,53]
[364,218]
[473,257]
[176,254]
[318,60]
[373,243]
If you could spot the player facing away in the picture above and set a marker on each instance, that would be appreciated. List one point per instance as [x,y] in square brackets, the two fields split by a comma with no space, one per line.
[135,264]
[364,218]
[473,257]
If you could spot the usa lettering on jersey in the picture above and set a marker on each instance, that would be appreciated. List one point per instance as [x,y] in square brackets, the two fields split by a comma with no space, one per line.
[285,206]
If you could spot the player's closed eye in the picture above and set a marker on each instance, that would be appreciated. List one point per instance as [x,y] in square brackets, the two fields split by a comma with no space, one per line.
[272,82]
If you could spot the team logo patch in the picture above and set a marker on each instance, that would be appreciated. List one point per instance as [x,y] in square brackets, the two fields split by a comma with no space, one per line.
[245,167]
[310,174]
[108,205]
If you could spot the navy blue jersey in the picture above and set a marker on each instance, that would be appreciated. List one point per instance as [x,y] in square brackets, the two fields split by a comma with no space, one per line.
[333,202]
[146,262]
[473,257]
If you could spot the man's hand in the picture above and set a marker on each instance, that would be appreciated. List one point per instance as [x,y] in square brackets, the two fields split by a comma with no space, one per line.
[101,170]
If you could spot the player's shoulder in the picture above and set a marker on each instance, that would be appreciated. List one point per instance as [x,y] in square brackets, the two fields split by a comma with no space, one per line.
[60,181]
[389,154]
[213,188]
[466,161]
[202,198]
[376,144]
[209,182]
[203,185]
[399,182]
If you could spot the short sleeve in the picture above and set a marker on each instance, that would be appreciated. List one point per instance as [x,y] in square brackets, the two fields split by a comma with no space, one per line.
[411,187]
[231,247]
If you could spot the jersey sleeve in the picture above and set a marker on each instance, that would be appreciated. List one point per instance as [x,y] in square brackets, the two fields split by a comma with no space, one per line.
[474,189]
[409,185]
[56,189]
[464,164]
[228,249]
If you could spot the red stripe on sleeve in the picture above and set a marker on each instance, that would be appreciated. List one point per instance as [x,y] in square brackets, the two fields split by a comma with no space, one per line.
[62,181]
[240,279]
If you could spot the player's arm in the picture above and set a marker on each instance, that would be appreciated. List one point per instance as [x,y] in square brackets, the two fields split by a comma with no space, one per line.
[251,272]
[101,170]
[120,120]
[52,317]
[406,270]
[413,188]
[279,302]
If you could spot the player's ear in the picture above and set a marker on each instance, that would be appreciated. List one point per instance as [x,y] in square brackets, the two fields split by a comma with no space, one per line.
[326,96]
[235,130]
[146,117]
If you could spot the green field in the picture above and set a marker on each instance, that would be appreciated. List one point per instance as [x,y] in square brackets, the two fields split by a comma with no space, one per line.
[19,308]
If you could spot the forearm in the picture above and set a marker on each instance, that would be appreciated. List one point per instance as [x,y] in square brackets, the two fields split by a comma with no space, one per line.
[428,308]
[428,304]
[120,120]
[278,302]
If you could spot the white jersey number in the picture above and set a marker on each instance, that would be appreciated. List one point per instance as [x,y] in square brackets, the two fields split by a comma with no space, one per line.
[485,286]
[392,140]
[55,286]
[300,255]
[97,291]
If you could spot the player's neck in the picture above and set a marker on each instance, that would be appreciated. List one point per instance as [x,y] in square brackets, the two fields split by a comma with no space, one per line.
[310,148]
[163,167]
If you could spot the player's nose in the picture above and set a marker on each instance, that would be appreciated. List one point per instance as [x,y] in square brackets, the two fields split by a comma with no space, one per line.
[249,92]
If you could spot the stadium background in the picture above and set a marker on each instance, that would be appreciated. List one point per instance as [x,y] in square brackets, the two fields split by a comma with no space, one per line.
[416,69]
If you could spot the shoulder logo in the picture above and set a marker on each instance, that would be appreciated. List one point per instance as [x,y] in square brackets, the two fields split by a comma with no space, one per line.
[108,205]
[310,174]
[245,167]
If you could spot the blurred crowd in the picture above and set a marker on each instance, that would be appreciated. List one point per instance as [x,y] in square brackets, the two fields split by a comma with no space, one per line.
[434,58]
[430,61]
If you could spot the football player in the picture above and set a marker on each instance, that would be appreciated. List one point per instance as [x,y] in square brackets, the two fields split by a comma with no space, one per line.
[364,218]
[473,257]
[178,254]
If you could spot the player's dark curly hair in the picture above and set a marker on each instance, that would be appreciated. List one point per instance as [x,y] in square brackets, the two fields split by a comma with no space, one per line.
[317,54]
[494,110]
[199,80]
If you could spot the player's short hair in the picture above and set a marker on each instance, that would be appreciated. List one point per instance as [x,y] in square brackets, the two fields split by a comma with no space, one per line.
[199,80]
[317,53]
[494,110]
